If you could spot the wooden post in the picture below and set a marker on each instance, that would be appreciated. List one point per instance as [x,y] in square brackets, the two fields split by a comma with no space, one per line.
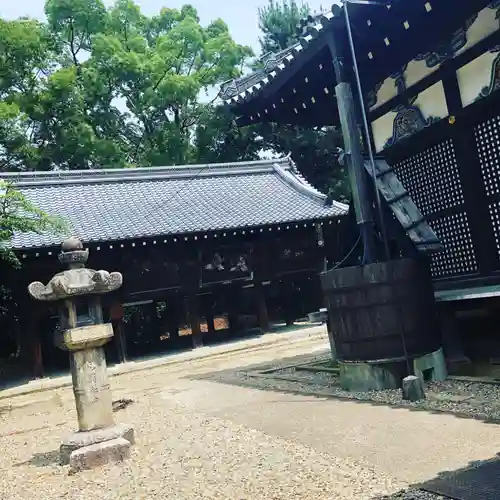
[260,295]
[452,343]
[352,146]
[172,319]
[232,304]
[287,298]
[209,314]
[35,346]
[116,314]
[194,320]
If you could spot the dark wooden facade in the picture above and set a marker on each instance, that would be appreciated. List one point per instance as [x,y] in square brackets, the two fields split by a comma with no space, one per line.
[207,252]
[441,145]
[429,78]
[184,290]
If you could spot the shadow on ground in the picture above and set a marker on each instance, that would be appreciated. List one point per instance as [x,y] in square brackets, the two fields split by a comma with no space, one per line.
[42,459]
[257,377]
[478,481]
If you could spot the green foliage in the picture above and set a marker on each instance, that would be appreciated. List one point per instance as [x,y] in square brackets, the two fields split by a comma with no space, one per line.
[219,140]
[313,150]
[99,86]
[18,214]
[278,21]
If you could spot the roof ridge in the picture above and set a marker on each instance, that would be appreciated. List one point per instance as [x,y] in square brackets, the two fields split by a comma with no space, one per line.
[294,178]
[56,177]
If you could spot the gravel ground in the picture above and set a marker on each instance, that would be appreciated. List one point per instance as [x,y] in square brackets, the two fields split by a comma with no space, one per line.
[475,400]
[186,453]
[180,454]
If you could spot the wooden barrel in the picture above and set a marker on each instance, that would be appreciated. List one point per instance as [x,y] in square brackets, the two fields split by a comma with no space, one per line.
[379,311]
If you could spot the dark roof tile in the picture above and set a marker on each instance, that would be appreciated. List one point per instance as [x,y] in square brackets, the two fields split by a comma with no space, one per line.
[107,205]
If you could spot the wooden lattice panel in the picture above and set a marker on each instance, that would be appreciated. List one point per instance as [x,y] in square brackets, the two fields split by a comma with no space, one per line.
[432,178]
[488,146]
[458,256]
[495,222]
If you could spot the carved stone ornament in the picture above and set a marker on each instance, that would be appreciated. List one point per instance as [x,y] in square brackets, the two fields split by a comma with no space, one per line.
[77,280]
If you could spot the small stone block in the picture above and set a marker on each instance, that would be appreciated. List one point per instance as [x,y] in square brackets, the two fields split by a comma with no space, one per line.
[99,454]
[413,388]
[84,439]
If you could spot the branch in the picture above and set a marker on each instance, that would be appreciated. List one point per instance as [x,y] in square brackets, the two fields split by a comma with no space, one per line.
[157,84]
[207,70]
[74,52]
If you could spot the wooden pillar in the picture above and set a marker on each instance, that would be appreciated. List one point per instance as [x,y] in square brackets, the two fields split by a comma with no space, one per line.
[232,305]
[287,296]
[116,315]
[33,346]
[209,314]
[206,308]
[193,310]
[260,295]
[172,317]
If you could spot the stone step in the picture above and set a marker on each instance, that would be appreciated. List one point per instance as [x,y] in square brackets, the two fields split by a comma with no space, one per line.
[97,455]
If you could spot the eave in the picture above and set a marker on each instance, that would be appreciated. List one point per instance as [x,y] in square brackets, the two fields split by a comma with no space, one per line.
[298,89]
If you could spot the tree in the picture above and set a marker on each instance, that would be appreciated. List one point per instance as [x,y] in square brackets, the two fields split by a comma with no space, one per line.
[159,66]
[107,87]
[278,22]
[19,215]
[314,150]
[24,60]
[219,140]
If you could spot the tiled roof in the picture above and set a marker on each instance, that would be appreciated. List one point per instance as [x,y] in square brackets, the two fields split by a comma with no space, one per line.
[245,88]
[117,204]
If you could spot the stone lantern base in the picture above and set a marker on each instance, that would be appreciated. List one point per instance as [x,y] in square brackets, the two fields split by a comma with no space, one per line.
[83,334]
[86,450]
[99,440]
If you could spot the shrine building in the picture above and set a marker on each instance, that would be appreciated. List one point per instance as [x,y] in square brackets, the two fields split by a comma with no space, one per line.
[206,252]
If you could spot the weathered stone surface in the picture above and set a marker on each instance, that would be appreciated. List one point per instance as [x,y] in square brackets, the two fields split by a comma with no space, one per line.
[435,363]
[91,389]
[85,337]
[99,454]
[84,439]
[77,280]
[363,377]
[413,388]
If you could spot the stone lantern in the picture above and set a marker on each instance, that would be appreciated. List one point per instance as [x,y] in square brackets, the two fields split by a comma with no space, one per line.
[83,333]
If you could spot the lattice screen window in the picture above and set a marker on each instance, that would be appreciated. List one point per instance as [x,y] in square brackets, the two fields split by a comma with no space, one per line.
[488,146]
[432,178]
[458,256]
[495,222]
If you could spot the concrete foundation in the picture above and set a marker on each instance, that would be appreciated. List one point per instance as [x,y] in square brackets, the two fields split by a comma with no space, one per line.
[363,377]
[431,367]
[373,376]
[81,440]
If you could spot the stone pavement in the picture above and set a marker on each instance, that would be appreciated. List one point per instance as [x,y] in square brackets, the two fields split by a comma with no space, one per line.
[252,344]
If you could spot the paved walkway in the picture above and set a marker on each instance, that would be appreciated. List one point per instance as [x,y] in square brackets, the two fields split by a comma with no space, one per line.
[280,338]
[198,438]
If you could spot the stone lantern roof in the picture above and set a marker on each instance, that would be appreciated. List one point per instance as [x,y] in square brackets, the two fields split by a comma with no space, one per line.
[77,280]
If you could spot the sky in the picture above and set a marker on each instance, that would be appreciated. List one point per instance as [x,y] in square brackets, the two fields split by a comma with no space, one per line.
[240,15]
